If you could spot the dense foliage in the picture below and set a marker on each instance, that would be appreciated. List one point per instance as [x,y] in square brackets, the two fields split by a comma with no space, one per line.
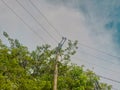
[24,70]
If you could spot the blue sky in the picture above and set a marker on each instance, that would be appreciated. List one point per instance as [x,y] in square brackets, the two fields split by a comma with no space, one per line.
[95,23]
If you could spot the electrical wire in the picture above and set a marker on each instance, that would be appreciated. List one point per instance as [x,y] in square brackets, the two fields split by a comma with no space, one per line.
[109,79]
[100,51]
[101,75]
[96,65]
[38,9]
[99,58]
[36,21]
[30,28]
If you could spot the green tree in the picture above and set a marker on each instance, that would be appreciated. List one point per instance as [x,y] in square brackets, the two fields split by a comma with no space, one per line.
[21,69]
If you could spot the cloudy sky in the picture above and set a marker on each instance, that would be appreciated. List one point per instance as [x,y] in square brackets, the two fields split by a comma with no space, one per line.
[94,23]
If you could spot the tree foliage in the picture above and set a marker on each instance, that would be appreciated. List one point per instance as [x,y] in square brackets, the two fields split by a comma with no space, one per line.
[21,69]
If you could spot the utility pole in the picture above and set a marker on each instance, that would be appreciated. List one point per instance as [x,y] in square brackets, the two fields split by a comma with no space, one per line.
[56,62]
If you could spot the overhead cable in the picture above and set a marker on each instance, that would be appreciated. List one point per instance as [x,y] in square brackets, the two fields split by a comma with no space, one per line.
[109,79]
[36,21]
[38,9]
[100,51]
[30,28]
[99,58]
[97,65]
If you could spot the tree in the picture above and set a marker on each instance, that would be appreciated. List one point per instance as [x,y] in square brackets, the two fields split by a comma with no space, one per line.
[21,69]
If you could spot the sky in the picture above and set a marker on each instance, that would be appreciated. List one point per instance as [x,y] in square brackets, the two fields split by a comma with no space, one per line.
[94,23]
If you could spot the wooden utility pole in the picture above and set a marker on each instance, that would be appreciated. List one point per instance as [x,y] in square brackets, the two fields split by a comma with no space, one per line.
[56,62]
[56,72]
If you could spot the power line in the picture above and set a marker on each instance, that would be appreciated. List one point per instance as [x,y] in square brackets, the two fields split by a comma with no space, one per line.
[45,18]
[30,28]
[109,79]
[99,51]
[97,65]
[115,81]
[103,76]
[36,20]
[105,60]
